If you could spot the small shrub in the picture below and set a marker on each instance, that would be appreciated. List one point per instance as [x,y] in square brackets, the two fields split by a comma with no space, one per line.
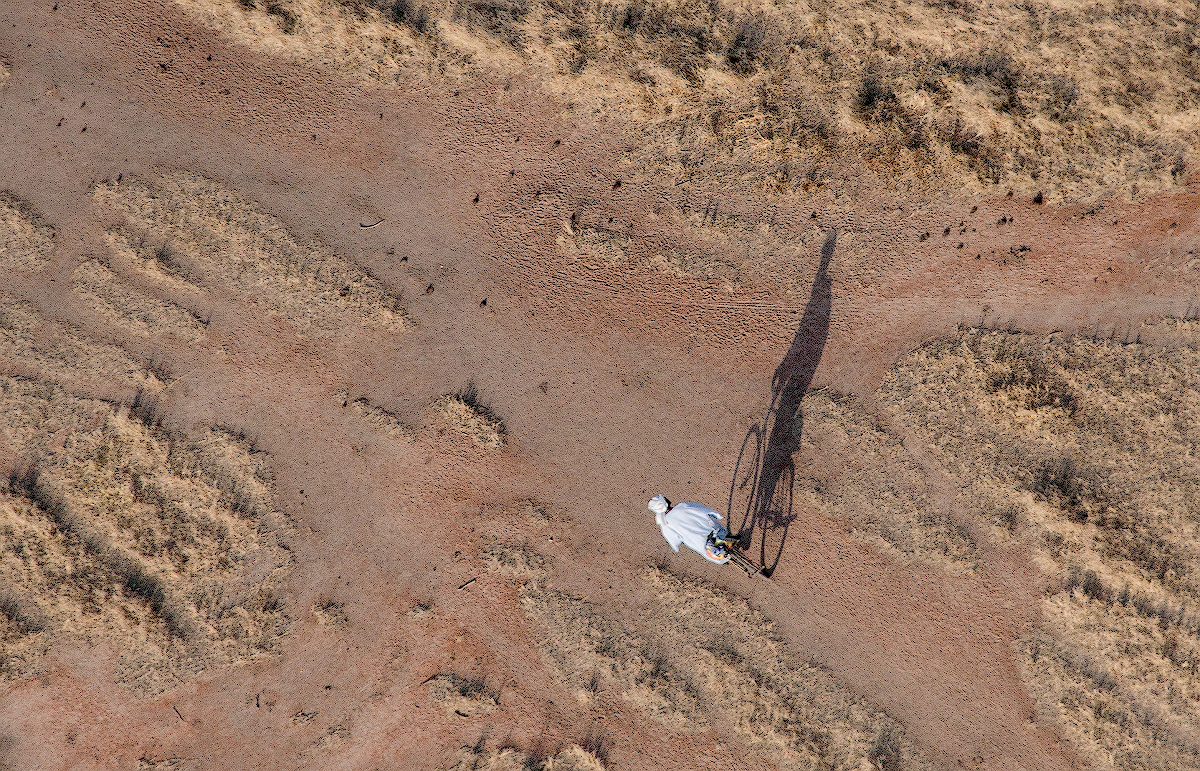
[962,139]
[1057,479]
[466,412]
[500,18]
[1063,98]
[330,613]
[886,753]
[144,408]
[873,95]
[751,44]
[23,615]
[995,69]
[465,696]
[288,21]
[597,744]
[410,13]
[1093,588]
[1148,551]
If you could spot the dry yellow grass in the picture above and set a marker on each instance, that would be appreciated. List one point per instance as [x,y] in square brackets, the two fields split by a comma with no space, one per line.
[1082,101]
[117,531]
[33,346]
[128,308]
[714,661]
[463,696]
[26,241]
[870,480]
[205,235]
[1088,447]
[571,758]
[466,415]
[592,654]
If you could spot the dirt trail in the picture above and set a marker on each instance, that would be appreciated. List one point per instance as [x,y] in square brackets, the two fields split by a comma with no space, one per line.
[616,381]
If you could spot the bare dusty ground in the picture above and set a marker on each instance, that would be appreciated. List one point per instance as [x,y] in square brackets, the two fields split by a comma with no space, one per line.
[332,397]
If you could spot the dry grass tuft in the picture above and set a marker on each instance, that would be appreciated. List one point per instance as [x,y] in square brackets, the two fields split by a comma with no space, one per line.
[464,412]
[376,417]
[605,245]
[463,696]
[330,613]
[207,235]
[333,737]
[513,560]
[1088,446]
[170,549]
[536,512]
[572,758]
[793,97]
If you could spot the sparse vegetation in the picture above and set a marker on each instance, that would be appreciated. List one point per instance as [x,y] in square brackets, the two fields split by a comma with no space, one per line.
[467,413]
[136,534]
[514,560]
[869,479]
[126,306]
[464,696]
[736,675]
[217,237]
[1088,443]
[791,98]
[26,240]
[59,354]
[574,757]
[330,613]
[377,417]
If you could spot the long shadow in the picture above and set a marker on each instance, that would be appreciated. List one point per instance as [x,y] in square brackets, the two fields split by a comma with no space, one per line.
[760,493]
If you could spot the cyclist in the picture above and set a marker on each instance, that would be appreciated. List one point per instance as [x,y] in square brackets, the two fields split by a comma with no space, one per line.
[694,525]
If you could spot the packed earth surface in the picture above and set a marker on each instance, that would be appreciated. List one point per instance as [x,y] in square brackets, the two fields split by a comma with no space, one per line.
[343,342]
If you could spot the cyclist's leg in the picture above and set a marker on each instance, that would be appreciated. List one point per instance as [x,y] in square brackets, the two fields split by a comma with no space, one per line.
[721,537]
[715,550]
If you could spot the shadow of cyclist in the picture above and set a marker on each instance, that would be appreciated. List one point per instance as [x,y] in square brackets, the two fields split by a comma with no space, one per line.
[763,479]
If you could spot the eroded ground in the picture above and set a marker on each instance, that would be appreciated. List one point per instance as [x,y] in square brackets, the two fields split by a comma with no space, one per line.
[341,345]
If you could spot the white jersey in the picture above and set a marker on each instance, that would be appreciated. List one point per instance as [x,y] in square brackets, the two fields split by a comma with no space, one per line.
[689,524]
